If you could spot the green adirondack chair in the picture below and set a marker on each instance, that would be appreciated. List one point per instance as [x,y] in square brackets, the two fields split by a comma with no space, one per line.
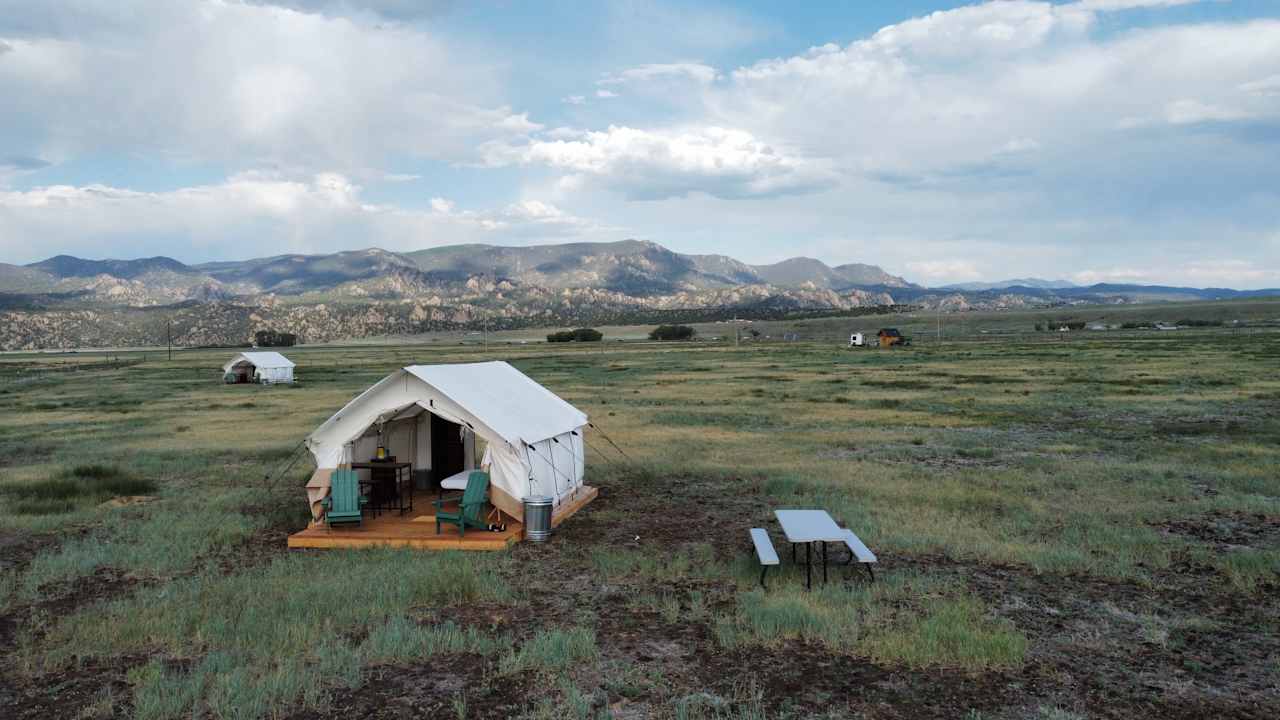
[471,507]
[344,501]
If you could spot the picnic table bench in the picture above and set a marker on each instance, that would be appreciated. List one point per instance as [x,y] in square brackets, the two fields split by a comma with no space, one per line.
[858,550]
[764,551]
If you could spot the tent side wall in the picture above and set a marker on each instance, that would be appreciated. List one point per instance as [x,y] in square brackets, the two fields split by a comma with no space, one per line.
[275,374]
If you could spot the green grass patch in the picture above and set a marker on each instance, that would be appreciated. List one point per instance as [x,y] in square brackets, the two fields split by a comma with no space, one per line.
[696,560]
[913,620]
[72,489]
[952,632]
[551,651]
[1246,569]
[274,636]
[401,639]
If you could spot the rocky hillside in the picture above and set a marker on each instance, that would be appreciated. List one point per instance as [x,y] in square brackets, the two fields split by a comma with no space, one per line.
[71,302]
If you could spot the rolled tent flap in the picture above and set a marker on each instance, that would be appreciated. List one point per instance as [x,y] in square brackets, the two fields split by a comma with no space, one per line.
[318,490]
[534,438]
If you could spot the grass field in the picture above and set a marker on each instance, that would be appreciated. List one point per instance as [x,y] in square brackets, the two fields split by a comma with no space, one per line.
[1068,527]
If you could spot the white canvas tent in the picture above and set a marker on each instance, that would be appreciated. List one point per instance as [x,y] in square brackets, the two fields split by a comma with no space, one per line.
[263,367]
[534,440]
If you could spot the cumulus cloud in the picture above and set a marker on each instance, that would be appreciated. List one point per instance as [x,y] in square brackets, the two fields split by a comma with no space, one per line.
[401,10]
[685,71]
[1186,112]
[1269,86]
[652,165]
[941,272]
[242,85]
[254,214]
[1111,5]
[1202,273]
[953,87]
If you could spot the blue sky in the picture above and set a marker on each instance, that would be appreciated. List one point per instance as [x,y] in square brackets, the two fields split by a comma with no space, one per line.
[1093,140]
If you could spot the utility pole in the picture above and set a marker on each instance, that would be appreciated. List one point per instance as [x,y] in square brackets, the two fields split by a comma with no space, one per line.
[168,337]
[939,322]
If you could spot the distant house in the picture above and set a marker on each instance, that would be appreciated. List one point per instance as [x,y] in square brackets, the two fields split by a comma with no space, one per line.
[1097,326]
[258,367]
[890,337]
[1165,326]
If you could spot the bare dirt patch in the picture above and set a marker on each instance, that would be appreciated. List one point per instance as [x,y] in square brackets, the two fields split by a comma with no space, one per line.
[1226,530]
[1179,647]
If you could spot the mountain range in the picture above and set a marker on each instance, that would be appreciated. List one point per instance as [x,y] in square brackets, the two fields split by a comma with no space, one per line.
[66,301]
[631,266]
[1017,282]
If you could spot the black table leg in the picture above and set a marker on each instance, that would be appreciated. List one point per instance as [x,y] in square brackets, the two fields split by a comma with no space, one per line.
[808,566]
[824,562]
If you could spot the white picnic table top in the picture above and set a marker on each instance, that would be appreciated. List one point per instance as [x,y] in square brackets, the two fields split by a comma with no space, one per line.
[802,526]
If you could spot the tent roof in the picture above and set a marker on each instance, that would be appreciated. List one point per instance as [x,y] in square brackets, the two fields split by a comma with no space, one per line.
[263,359]
[508,401]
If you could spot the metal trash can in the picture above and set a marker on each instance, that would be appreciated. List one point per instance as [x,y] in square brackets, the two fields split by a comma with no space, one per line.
[537,518]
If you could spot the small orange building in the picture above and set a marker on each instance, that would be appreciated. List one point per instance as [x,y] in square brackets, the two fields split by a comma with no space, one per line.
[890,337]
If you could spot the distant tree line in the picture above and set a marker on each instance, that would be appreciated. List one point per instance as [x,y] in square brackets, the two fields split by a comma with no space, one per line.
[1053,325]
[578,335]
[672,332]
[272,338]
[646,316]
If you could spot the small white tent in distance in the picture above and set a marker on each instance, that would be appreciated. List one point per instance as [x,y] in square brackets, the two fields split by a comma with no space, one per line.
[261,367]
[431,416]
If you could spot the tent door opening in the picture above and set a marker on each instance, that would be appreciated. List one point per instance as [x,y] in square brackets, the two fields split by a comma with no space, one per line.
[448,453]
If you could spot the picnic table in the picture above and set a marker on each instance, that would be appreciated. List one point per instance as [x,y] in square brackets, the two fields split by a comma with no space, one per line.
[808,527]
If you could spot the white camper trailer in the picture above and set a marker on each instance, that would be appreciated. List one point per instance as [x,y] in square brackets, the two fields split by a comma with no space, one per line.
[856,340]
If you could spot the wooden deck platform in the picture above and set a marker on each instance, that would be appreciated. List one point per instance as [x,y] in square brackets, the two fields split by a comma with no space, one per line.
[417,529]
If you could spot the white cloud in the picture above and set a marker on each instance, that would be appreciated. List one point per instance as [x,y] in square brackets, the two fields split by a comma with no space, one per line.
[1017,146]
[685,71]
[399,177]
[1110,5]
[399,10]
[256,214]
[1186,112]
[574,100]
[951,89]
[943,272]
[646,164]
[1204,273]
[1267,87]
[606,94]
[242,85]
